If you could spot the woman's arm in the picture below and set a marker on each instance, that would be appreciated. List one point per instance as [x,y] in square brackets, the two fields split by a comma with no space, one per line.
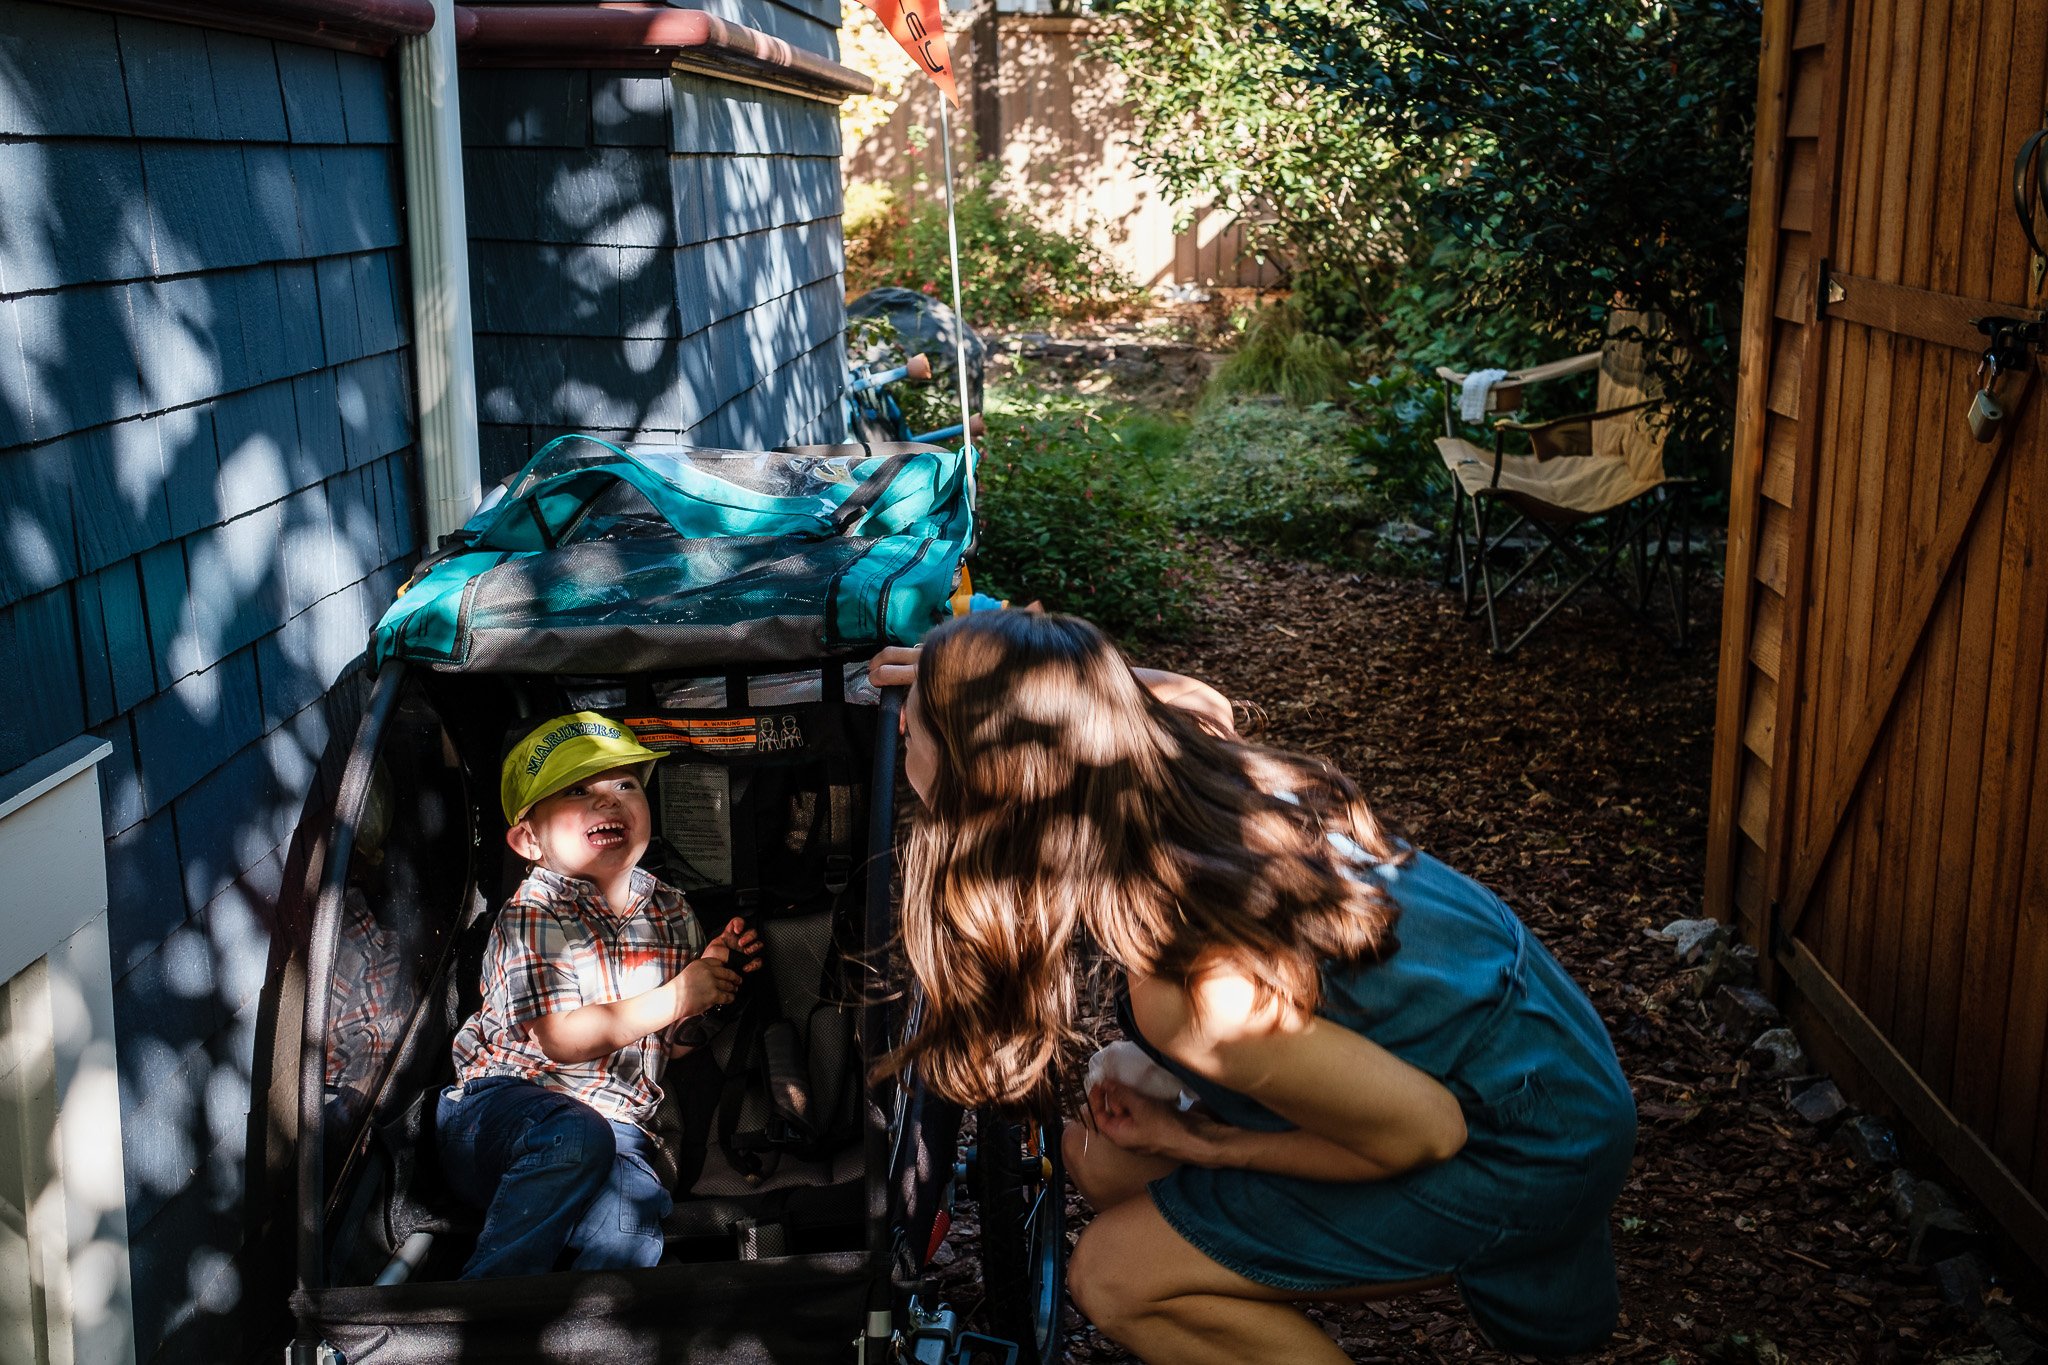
[1144,1126]
[1360,1112]
[896,666]
[1211,707]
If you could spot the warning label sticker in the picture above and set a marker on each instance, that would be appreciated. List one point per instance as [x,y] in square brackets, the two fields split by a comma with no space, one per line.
[712,734]
[696,819]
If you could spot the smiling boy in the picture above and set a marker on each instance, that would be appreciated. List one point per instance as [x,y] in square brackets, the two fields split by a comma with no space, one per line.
[591,965]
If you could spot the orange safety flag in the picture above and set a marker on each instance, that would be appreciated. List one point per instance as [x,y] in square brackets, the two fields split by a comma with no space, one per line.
[919,27]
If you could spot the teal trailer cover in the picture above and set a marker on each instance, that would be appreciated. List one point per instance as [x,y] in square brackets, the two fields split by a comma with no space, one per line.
[603,558]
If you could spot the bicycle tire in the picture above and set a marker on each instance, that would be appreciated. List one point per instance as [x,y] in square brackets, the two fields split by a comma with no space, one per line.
[1019,1185]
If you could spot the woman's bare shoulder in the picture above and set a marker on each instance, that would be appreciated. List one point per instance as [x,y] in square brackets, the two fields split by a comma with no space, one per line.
[1217,1015]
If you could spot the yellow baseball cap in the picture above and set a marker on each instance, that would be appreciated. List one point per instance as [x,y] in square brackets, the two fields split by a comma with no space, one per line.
[562,752]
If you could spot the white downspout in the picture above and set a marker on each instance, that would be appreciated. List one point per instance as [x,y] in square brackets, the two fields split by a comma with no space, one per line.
[444,356]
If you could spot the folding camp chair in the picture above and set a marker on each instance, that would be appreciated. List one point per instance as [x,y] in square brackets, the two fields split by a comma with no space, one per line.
[1602,471]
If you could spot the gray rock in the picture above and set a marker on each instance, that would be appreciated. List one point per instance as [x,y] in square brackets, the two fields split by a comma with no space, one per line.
[1962,1281]
[1776,1053]
[1743,1011]
[1901,1188]
[1405,533]
[1938,1228]
[1728,964]
[1694,940]
[1870,1142]
[1820,1104]
[2015,1344]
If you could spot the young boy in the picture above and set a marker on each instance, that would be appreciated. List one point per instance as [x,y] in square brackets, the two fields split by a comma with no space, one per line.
[591,966]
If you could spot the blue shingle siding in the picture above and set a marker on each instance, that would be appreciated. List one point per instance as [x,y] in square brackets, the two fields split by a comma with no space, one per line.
[62,73]
[35,489]
[655,254]
[246,91]
[628,110]
[811,24]
[206,458]
[544,109]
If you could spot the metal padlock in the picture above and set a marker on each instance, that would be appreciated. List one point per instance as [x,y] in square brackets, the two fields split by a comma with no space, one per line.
[1986,414]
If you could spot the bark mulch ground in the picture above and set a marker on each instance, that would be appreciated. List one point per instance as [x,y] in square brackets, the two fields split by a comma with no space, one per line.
[1574,781]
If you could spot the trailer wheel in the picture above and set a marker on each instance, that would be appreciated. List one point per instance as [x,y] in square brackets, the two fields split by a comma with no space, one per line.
[1019,1184]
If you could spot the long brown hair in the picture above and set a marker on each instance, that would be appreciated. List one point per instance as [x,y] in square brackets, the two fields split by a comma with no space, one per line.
[1070,804]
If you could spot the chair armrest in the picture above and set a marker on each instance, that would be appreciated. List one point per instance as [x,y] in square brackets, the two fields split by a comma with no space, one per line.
[1507,424]
[1533,374]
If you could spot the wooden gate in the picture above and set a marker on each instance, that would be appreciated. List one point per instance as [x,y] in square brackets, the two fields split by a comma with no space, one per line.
[1880,815]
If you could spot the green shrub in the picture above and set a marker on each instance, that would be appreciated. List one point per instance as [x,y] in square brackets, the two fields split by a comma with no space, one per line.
[1281,355]
[1398,414]
[1221,117]
[1012,270]
[1285,478]
[1073,513]
[1590,152]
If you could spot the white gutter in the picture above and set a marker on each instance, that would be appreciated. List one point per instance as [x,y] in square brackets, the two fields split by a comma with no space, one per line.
[444,355]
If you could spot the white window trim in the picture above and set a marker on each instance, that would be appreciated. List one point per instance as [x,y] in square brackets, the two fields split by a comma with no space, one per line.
[65,1292]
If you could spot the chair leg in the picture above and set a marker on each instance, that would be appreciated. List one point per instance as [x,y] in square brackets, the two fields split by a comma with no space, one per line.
[1458,569]
[1623,569]
[1528,565]
[1590,570]
[1488,593]
[1678,572]
[1475,558]
[1646,582]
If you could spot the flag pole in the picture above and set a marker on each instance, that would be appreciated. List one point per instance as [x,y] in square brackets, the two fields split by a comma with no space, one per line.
[959,314]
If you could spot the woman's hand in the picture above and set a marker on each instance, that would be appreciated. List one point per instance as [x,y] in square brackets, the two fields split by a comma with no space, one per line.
[1138,1123]
[895,666]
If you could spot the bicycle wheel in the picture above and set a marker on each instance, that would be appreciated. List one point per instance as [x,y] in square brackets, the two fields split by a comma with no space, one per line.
[1019,1184]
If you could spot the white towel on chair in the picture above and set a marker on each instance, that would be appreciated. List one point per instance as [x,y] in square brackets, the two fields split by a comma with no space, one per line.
[1472,398]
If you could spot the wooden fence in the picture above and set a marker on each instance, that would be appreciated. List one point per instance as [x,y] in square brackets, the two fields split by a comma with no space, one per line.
[1057,123]
[1879,824]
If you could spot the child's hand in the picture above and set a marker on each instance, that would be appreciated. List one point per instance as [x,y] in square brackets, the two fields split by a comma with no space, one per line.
[704,985]
[736,940]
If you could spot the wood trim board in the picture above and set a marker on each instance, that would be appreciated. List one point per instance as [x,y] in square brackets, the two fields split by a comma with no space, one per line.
[1813,382]
[369,26]
[1955,1144]
[1767,183]
[652,36]
[1924,314]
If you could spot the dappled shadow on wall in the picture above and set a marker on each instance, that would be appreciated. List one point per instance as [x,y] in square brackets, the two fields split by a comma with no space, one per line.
[206,496]
[642,268]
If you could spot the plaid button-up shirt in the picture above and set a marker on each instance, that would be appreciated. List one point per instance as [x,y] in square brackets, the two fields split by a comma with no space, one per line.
[364,1012]
[556,947]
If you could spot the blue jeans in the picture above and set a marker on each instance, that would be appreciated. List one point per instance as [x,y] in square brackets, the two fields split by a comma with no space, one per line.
[550,1173]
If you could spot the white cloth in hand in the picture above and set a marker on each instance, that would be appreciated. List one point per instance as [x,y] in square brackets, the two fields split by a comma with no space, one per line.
[1472,398]
[1126,1062]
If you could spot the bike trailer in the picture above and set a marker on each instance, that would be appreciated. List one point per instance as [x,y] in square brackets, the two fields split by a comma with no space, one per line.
[721,604]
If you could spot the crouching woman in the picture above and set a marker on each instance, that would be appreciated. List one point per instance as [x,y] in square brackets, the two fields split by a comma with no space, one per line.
[1400,1088]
